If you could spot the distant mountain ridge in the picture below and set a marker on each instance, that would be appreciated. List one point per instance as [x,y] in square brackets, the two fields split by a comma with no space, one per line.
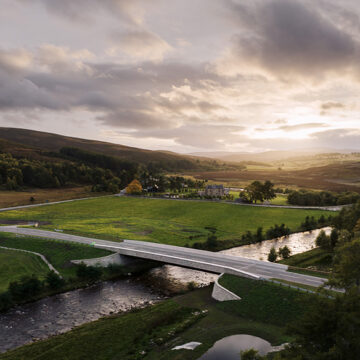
[267,155]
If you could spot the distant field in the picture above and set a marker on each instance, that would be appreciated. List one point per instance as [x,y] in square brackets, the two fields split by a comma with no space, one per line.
[332,177]
[165,221]
[57,253]
[16,198]
[16,264]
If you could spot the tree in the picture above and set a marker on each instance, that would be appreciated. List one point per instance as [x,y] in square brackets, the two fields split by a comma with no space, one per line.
[134,188]
[54,280]
[258,191]
[284,252]
[334,237]
[330,330]
[272,255]
[268,190]
[255,191]
[90,273]
[346,268]
[259,234]
[323,241]
[26,288]
[251,354]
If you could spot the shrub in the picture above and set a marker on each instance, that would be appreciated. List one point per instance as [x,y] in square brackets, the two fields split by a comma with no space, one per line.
[54,281]
[272,255]
[90,273]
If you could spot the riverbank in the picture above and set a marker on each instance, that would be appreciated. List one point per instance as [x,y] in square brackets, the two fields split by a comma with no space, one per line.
[152,332]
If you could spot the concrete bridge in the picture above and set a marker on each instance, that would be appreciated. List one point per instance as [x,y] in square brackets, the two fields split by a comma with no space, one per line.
[175,255]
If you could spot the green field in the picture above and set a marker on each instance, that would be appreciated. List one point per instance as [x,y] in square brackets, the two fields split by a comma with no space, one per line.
[281,199]
[15,264]
[57,253]
[165,221]
[157,329]
[317,259]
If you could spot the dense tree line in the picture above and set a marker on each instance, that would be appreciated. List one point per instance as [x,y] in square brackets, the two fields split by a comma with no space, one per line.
[120,168]
[331,328]
[322,198]
[17,173]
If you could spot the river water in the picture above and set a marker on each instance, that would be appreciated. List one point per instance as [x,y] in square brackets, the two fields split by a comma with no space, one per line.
[297,243]
[61,313]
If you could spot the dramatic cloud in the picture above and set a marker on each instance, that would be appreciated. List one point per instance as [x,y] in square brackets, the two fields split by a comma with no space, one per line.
[288,39]
[332,105]
[87,10]
[302,126]
[232,75]
[140,44]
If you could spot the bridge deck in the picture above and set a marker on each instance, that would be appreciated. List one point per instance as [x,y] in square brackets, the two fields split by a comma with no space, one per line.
[187,257]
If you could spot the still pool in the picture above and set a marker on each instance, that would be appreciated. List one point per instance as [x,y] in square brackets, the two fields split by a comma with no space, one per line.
[229,348]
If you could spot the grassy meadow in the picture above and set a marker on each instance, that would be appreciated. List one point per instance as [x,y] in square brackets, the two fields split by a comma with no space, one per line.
[15,264]
[165,221]
[175,322]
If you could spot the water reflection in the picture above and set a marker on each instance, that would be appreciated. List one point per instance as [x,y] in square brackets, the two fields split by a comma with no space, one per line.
[60,313]
[297,243]
[229,348]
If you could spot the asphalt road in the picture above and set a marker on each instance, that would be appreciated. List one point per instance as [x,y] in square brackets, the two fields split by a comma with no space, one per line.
[200,259]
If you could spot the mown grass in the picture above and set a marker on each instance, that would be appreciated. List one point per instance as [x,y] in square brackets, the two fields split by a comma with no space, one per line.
[57,253]
[263,301]
[164,221]
[157,329]
[15,264]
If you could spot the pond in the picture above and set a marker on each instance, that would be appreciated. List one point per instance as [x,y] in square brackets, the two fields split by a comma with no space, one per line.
[229,348]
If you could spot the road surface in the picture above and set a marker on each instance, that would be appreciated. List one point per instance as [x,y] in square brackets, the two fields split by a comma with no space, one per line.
[187,257]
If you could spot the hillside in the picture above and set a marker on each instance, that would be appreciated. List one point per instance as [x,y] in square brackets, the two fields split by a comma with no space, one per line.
[20,142]
[333,177]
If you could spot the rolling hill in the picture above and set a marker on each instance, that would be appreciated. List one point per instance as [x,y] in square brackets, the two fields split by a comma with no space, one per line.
[37,144]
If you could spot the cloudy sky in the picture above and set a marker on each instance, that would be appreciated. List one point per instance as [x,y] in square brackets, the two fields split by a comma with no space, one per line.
[181,75]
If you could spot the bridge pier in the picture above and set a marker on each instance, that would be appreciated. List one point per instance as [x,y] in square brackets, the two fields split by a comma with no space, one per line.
[113,259]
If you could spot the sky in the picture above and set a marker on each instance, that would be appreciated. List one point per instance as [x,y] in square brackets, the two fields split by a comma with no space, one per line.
[186,76]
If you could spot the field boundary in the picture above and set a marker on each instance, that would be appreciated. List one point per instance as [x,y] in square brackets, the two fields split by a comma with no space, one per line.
[43,258]
[296,207]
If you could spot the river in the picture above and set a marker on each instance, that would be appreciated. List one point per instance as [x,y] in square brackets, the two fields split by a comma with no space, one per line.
[61,313]
[297,243]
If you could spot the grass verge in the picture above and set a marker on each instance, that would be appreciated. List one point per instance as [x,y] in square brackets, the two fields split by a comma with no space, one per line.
[15,264]
[57,253]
